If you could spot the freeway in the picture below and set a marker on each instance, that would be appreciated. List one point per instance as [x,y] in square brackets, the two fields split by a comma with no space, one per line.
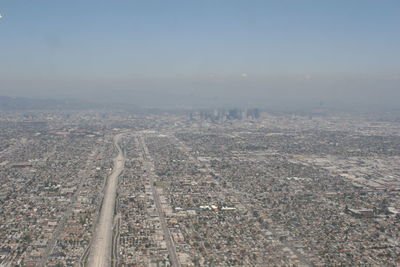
[149,167]
[100,251]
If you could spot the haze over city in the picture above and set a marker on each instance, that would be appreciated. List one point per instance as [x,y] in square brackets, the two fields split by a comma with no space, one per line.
[199,133]
[203,53]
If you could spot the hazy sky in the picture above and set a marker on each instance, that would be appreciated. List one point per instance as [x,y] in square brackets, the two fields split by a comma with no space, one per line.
[198,51]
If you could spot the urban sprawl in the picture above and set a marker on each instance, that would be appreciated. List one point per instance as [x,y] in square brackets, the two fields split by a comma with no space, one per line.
[224,187]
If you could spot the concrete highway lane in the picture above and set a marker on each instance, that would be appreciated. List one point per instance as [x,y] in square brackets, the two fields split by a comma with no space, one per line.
[148,164]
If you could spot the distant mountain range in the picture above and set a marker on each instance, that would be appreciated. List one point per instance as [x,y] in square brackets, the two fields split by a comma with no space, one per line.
[22,103]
